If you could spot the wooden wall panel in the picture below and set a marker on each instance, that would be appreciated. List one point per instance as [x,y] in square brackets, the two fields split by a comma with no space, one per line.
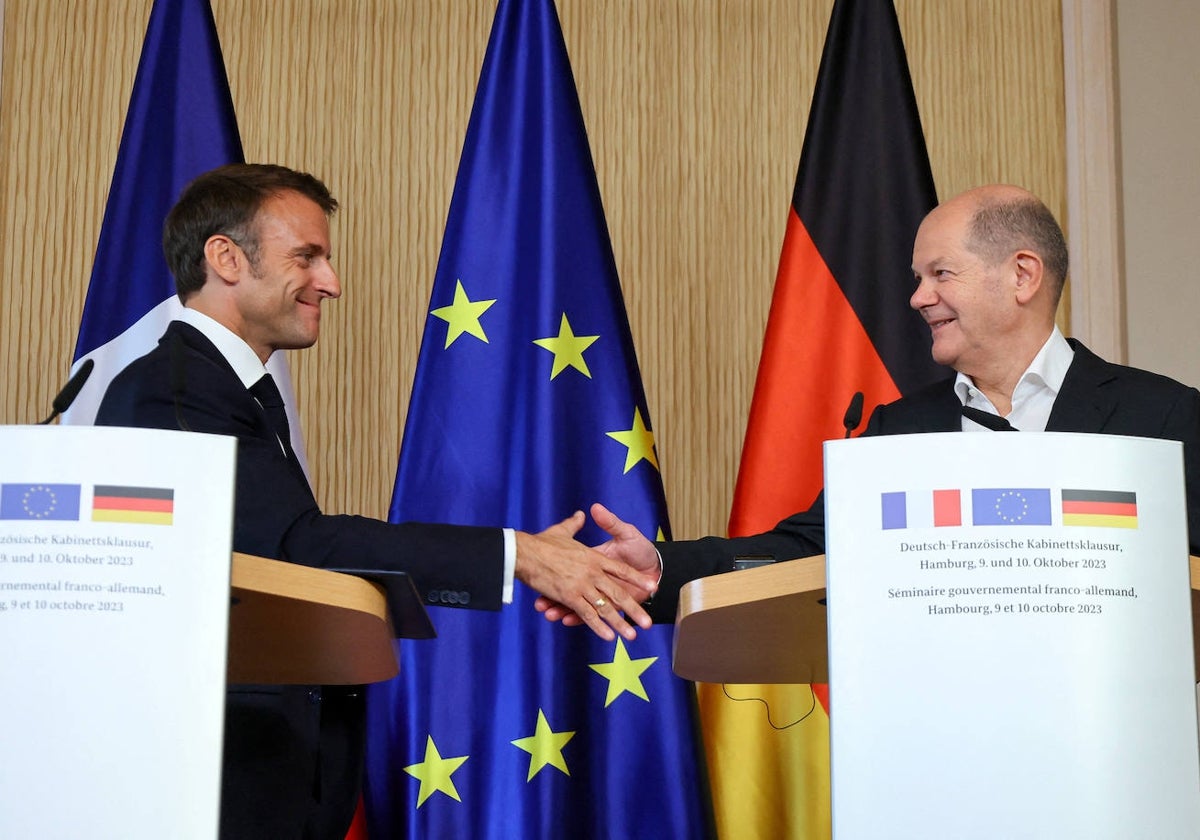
[696,112]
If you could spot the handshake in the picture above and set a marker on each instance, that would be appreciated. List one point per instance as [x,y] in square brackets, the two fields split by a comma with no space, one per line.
[602,587]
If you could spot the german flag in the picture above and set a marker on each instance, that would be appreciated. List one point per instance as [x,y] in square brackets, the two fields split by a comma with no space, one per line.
[145,505]
[840,320]
[1099,508]
[839,323]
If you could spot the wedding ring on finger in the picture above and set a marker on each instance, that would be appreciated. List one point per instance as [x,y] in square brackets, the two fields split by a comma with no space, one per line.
[600,603]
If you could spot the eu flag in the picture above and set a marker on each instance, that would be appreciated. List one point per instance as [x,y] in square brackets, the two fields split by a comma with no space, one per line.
[528,405]
[1011,506]
[39,501]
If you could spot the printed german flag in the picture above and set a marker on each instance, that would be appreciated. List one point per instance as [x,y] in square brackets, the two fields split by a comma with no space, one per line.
[145,505]
[1099,508]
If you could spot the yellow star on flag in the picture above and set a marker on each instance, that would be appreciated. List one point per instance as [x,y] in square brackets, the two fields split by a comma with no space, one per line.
[544,747]
[567,349]
[640,441]
[435,772]
[463,315]
[624,674]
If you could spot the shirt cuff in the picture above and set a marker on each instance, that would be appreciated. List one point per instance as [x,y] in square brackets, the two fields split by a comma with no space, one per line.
[510,564]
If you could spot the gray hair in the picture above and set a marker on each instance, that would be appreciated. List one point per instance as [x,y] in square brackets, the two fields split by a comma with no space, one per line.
[1002,226]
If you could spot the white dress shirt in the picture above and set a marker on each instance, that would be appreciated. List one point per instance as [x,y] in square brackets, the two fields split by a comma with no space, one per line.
[1036,390]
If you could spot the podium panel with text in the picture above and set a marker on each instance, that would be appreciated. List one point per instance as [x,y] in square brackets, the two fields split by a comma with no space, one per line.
[1010,638]
[114,605]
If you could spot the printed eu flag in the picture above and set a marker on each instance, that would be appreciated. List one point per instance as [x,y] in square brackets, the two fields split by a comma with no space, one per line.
[1011,506]
[39,502]
[528,405]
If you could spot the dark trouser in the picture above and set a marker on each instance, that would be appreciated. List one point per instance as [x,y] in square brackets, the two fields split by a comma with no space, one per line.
[293,761]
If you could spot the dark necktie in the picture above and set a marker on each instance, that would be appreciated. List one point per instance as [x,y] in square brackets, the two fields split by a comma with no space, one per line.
[268,395]
[991,421]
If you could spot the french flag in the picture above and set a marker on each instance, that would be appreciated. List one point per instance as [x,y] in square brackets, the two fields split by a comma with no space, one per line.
[180,124]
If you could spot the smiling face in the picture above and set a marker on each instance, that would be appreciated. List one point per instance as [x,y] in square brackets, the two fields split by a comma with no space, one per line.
[279,292]
[971,307]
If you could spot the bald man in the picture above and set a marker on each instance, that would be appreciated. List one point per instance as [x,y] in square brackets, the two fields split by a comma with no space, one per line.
[989,266]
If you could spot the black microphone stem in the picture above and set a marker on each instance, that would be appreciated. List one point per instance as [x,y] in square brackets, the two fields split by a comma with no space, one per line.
[70,391]
[990,421]
[854,413]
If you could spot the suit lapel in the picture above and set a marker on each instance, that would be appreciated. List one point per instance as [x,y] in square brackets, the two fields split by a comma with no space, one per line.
[1085,402]
[198,341]
[944,412]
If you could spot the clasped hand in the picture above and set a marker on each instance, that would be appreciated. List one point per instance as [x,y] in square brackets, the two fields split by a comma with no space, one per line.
[630,566]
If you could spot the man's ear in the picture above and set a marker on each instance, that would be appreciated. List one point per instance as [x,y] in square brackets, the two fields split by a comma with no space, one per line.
[1029,272]
[224,257]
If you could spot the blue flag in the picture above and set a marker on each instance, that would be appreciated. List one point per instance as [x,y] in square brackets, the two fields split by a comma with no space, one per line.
[39,501]
[180,123]
[527,406]
[1011,506]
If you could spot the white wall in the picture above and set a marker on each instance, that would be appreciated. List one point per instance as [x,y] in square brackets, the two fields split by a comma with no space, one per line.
[1158,89]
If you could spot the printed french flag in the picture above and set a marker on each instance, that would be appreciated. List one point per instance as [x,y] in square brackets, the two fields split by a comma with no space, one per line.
[921,509]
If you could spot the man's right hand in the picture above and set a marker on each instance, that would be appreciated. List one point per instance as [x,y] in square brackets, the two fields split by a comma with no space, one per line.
[628,545]
[596,588]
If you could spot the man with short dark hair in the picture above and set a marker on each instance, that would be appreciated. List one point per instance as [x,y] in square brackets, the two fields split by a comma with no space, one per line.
[249,247]
[989,266]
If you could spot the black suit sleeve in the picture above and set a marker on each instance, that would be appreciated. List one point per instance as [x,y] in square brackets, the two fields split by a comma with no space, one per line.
[275,512]
[1101,397]
[800,535]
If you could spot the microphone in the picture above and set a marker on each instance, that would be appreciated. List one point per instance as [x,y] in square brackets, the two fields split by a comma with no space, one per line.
[178,373]
[70,391]
[853,413]
[990,421]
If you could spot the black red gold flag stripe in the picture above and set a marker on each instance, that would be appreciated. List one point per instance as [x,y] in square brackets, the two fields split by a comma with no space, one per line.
[840,320]
[1101,508]
[146,505]
[839,323]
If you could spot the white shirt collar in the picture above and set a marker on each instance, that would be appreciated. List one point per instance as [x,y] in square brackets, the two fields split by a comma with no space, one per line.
[1036,392]
[1051,363]
[244,361]
[1048,369]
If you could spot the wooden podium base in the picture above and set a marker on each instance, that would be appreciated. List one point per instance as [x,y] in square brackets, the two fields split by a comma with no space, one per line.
[296,624]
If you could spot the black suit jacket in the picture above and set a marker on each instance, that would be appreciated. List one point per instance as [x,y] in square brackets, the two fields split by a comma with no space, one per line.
[1096,396]
[293,754]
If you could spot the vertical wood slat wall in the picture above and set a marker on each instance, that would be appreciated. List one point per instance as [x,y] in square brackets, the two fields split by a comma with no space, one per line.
[695,110]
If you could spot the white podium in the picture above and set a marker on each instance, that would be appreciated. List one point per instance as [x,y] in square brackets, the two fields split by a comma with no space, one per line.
[1010,638]
[114,607]
[122,619]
